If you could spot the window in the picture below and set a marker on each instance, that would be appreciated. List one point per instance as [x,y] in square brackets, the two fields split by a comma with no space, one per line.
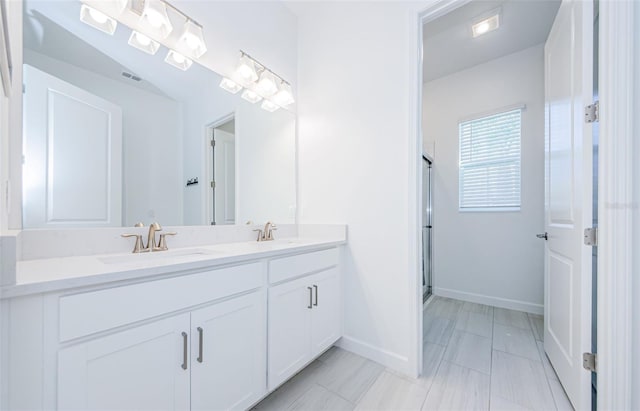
[490,162]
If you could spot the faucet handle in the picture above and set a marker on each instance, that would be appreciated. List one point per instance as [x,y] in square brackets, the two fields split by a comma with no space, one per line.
[162,244]
[138,247]
[138,225]
[260,234]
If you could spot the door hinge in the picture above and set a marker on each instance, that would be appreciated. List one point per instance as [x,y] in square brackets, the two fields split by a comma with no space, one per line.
[590,361]
[213,184]
[592,112]
[591,236]
[213,143]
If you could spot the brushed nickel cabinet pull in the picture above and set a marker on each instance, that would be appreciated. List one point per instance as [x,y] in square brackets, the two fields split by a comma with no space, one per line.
[310,297]
[184,350]
[199,344]
[316,288]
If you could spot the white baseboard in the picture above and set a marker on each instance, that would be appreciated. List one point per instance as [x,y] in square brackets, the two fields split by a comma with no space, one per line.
[387,358]
[489,300]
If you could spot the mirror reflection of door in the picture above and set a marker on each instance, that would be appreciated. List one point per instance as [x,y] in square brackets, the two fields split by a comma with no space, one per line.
[224,173]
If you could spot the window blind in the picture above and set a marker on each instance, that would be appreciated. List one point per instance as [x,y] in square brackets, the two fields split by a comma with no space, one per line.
[490,162]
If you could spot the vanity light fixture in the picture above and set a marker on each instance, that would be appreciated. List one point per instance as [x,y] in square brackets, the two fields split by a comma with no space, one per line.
[144,43]
[251,96]
[260,83]
[192,39]
[230,85]
[97,19]
[270,106]
[155,19]
[486,25]
[178,60]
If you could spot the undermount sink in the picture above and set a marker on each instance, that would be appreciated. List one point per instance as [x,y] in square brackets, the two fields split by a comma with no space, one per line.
[156,256]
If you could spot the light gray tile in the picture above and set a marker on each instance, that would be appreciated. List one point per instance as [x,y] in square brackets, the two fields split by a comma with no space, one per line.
[431,358]
[318,398]
[537,326]
[548,369]
[475,323]
[516,341]
[348,375]
[469,350]
[560,397]
[458,388]
[444,308]
[511,318]
[520,381]
[477,308]
[500,404]
[391,392]
[437,330]
[291,390]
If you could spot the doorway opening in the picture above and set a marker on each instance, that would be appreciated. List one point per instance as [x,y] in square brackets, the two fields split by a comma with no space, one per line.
[222,186]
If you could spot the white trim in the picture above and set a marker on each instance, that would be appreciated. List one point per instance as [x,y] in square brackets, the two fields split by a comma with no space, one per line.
[387,358]
[518,305]
[615,199]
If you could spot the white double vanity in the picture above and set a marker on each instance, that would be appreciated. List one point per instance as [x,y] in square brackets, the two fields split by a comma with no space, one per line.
[112,137]
[211,326]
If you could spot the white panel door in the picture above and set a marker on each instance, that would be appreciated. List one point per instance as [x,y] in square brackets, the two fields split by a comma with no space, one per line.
[326,325]
[224,162]
[72,175]
[568,201]
[290,306]
[144,368]
[229,354]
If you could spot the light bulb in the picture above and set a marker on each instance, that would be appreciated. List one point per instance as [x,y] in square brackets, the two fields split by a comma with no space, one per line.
[267,84]
[251,96]
[99,17]
[154,18]
[191,41]
[269,106]
[178,58]
[142,39]
[482,28]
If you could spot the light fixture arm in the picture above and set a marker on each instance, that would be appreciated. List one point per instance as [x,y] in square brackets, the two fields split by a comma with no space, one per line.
[261,67]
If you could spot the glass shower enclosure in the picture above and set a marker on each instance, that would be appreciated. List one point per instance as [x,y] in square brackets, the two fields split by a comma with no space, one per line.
[427,228]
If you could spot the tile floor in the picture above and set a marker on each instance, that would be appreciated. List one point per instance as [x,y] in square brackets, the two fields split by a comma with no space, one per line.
[475,357]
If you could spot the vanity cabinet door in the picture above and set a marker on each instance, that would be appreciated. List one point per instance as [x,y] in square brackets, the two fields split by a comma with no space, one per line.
[290,306]
[325,317]
[144,368]
[229,354]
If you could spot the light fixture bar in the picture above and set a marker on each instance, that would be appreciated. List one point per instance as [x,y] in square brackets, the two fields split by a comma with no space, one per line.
[261,67]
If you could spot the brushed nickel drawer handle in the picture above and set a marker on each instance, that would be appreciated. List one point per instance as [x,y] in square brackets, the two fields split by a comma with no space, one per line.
[184,350]
[316,288]
[200,332]
[310,297]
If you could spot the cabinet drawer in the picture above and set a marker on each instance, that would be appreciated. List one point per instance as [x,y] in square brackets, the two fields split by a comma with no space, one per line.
[281,269]
[88,313]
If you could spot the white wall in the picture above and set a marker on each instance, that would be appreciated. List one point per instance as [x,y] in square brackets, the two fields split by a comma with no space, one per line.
[358,162]
[151,135]
[493,257]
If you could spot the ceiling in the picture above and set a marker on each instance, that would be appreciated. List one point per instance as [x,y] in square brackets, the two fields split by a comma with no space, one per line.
[449,46]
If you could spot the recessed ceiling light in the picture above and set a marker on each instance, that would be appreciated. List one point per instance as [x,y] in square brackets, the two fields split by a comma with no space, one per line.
[486,25]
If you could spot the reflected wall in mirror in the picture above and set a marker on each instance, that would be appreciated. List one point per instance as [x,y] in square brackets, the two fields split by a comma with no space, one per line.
[114,136]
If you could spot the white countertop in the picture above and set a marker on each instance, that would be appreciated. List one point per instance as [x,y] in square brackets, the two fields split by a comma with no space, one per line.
[56,274]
